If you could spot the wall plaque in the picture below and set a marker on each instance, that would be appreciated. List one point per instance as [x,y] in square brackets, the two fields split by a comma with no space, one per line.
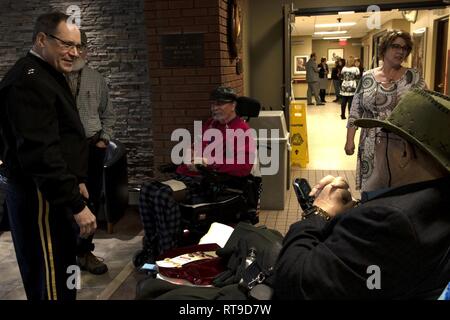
[183,50]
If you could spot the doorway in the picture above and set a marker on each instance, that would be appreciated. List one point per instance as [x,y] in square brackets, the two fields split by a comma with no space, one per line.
[441,55]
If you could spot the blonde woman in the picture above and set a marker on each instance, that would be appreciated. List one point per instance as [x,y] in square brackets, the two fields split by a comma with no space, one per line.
[349,75]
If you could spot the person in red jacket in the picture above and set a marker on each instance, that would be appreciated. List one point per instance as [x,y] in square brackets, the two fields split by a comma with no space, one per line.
[227,146]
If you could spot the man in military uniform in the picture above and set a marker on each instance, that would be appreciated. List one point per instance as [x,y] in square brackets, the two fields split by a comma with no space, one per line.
[45,155]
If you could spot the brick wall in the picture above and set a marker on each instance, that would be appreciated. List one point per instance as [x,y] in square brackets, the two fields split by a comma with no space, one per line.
[124,41]
[180,95]
[118,50]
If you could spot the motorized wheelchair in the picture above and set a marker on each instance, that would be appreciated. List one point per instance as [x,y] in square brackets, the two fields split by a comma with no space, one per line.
[229,199]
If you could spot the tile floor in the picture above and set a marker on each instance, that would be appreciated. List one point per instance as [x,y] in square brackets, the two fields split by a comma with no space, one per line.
[326,138]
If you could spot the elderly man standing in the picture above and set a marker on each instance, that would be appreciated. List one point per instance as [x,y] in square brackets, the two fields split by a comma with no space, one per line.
[45,155]
[97,116]
[396,243]
[312,78]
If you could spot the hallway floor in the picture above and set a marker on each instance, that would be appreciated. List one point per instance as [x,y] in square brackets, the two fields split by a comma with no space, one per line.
[326,138]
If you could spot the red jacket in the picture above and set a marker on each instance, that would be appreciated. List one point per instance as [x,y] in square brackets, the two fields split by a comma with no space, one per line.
[219,164]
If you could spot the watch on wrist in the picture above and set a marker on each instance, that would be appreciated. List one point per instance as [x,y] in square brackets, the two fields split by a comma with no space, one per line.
[315,210]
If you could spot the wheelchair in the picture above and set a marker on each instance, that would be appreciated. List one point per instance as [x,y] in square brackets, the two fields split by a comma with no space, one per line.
[230,199]
[114,193]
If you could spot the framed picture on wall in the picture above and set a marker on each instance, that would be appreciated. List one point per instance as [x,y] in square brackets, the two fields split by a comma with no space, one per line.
[300,65]
[333,54]
[418,51]
[376,40]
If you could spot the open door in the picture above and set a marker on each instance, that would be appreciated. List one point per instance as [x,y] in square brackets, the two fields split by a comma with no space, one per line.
[287,80]
[287,90]
[441,56]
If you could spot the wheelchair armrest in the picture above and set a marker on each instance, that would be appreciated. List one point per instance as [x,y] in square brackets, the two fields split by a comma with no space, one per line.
[214,176]
[167,168]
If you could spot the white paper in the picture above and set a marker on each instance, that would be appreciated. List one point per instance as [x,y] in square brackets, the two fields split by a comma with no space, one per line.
[218,233]
[175,185]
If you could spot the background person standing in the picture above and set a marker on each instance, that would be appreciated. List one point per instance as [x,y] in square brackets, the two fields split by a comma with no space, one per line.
[98,118]
[312,78]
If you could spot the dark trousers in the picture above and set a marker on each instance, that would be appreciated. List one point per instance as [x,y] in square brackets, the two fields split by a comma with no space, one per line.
[94,185]
[322,94]
[337,88]
[44,241]
[346,100]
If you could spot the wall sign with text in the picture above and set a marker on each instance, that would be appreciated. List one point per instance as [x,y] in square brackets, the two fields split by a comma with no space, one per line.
[183,50]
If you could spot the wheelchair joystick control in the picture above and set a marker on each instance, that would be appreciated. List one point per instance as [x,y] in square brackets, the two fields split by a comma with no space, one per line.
[251,256]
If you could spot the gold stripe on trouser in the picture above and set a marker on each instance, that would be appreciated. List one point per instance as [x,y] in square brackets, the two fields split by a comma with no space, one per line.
[46,242]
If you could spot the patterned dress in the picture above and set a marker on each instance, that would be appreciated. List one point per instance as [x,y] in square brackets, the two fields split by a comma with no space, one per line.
[349,77]
[374,100]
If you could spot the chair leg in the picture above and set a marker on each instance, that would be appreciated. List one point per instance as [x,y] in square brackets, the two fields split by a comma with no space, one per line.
[110,228]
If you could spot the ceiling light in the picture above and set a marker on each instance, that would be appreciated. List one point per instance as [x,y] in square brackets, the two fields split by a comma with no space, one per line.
[331,32]
[336,38]
[420,30]
[346,12]
[331,25]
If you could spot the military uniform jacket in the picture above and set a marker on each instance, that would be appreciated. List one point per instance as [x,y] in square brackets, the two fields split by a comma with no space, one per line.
[42,134]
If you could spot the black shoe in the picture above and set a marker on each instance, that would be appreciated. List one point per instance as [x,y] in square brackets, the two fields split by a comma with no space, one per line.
[320,104]
[310,104]
[336,100]
[142,257]
[343,117]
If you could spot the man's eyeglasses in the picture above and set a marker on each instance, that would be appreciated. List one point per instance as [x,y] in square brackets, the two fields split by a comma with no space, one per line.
[397,46]
[67,46]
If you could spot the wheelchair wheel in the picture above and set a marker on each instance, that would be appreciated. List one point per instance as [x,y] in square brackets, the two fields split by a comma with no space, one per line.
[143,256]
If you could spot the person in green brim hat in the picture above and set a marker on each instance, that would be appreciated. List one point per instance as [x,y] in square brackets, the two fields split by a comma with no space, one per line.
[395,242]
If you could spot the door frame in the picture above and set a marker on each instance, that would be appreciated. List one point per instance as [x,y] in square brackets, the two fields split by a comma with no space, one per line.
[289,9]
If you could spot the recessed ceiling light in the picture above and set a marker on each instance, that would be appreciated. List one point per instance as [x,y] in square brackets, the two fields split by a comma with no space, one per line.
[331,32]
[336,38]
[330,25]
[420,30]
[346,12]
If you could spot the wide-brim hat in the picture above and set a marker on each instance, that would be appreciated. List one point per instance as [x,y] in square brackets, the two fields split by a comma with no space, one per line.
[421,117]
[224,94]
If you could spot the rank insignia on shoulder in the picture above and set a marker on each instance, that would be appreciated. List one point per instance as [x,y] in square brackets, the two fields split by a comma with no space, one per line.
[30,71]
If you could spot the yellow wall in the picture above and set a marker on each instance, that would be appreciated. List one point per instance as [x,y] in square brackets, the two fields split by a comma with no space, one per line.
[425,18]
[428,19]
[352,48]
[393,24]
[304,45]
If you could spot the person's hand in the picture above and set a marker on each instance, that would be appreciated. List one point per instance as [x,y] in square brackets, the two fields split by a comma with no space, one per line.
[101,144]
[197,161]
[332,195]
[349,148]
[83,190]
[86,221]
